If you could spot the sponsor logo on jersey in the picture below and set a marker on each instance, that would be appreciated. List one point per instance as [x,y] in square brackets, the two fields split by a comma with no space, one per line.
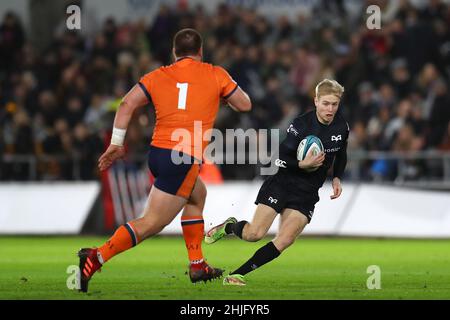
[293,130]
[272,200]
[336,138]
[280,163]
[332,150]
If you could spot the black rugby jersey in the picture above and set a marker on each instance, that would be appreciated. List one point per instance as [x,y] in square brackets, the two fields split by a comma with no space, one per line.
[334,139]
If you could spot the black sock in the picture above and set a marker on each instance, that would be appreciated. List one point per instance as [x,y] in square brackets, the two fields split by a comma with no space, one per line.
[262,256]
[235,228]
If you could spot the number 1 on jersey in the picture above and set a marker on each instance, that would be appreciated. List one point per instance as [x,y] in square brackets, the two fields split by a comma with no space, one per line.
[182,95]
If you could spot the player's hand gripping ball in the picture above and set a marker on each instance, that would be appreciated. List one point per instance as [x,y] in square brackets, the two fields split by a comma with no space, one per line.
[310,144]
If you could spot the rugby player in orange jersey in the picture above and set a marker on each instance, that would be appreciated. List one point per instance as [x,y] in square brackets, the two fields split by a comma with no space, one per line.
[184,92]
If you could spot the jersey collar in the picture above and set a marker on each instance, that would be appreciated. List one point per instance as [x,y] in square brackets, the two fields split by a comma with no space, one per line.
[183,58]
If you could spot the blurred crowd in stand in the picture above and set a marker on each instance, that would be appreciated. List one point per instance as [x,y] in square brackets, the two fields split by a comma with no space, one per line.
[60,102]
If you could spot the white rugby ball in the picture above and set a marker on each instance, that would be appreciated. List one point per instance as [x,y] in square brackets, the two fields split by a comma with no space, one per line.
[309,144]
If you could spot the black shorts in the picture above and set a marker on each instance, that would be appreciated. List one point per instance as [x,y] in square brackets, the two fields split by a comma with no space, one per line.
[280,194]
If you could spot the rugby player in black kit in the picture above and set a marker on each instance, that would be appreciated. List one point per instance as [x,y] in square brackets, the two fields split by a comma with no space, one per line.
[293,190]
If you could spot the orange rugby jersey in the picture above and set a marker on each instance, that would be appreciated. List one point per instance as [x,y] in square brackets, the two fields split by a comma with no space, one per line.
[183,93]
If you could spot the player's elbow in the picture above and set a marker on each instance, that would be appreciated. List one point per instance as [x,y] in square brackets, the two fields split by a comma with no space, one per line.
[246,103]
[247,106]
[243,106]
[240,101]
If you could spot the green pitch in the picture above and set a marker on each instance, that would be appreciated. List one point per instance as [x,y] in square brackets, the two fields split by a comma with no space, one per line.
[314,268]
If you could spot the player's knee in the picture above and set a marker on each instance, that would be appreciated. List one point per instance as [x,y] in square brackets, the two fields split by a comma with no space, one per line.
[201,194]
[204,193]
[200,202]
[199,198]
[254,235]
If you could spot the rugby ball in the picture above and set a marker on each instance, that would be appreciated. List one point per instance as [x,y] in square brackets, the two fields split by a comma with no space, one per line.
[309,144]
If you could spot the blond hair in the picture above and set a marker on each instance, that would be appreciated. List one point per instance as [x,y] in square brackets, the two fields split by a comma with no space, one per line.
[327,86]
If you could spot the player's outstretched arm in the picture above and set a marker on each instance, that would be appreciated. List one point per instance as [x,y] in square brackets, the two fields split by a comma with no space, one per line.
[239,101]
[132,100]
